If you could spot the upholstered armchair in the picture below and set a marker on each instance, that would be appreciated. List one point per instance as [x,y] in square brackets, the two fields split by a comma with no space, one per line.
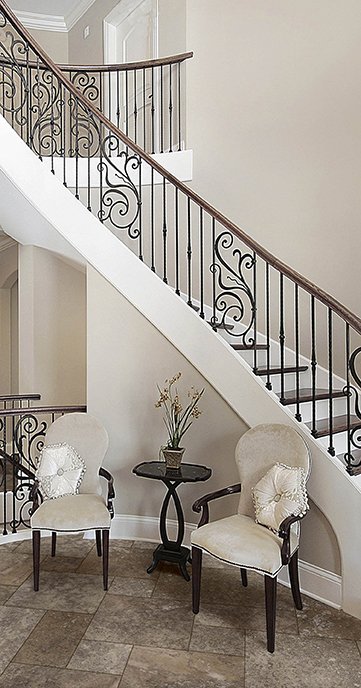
[273,464]
[67,496]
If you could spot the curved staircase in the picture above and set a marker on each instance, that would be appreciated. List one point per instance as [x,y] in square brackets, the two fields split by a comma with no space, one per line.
[275,346]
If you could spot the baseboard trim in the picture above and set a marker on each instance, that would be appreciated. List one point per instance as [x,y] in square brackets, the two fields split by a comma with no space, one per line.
[315,582]
[323,586]
[146,528]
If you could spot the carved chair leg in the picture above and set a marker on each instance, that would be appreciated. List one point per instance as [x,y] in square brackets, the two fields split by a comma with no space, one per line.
[244,577]
[196,578]
[294,580]
[98,538]
[271,596]
[105,548]
[36,558]
[53,544]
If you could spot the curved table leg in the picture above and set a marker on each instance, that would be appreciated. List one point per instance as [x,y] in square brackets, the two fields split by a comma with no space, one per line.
[171,550]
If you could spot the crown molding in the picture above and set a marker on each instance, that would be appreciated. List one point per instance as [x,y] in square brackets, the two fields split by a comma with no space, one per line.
[43,22]
[50,22]
[6,242]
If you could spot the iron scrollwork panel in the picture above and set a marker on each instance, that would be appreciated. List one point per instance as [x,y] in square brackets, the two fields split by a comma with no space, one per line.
[235,301]
[120,200]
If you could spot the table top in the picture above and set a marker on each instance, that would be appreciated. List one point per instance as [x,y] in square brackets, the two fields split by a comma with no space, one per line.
[187,473]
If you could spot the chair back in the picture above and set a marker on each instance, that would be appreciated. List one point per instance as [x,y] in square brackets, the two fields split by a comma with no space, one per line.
[89,438]
[259,449]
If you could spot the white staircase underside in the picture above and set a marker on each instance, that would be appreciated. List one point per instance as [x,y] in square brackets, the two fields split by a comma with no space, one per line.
[35,208]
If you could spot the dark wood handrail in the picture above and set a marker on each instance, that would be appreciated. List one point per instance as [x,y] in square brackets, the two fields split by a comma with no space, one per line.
[34,411]
[123,67]
[353,320]
[129,66]
[19,397]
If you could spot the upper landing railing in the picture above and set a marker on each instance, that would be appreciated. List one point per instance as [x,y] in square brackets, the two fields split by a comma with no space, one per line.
[264,305]
[144,99]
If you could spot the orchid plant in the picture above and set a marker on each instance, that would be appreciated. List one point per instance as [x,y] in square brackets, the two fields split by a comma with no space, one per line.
[177,418]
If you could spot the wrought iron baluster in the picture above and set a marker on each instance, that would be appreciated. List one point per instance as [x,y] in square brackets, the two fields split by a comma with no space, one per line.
[126,104]
[52,129]
[331,448]
[165,232]
[140,189]
[170,107]
[153,113]
[179,107]
[268,361]
[144,112]
[313,366]
[213,270]
[100,169]
[254,311]
[161,112]
[189,252]
[110,97]
[135,107]
[152,208]
[282,339]
[348,454]
[297,355]
[63,130]
[38,104]
[201,265]
[89,162]
[176,210]
[76,113]
[117,114]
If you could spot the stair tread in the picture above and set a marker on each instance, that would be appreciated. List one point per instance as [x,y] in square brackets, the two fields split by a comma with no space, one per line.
[339,425]
[221,325]
[252,347]
[276,370]
[356,453]
[306,394]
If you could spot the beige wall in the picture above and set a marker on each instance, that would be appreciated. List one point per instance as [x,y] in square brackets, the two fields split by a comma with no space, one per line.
[273,119]
[52,321]
[8,277]
[89,50]
[55,43]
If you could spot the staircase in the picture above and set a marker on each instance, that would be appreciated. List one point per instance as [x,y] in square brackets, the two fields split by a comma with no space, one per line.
[273,344]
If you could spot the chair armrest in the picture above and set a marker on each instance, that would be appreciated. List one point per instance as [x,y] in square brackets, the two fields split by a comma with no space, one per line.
[34,496]
[202,502]
[284,532]
[111,492]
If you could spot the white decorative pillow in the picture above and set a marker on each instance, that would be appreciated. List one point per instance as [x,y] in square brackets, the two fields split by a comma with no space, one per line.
[60,470]
[280,493]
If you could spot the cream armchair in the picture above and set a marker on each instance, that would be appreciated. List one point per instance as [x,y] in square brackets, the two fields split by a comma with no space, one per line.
[240,540]
[74,448]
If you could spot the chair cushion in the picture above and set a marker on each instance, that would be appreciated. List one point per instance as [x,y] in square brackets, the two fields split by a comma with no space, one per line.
[72,513]
[60,470]
[280,493]
[238,540]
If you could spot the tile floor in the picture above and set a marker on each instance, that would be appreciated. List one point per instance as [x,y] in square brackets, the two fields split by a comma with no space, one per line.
[142,633]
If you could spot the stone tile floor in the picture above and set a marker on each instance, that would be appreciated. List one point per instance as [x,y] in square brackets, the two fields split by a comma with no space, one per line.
[142,633]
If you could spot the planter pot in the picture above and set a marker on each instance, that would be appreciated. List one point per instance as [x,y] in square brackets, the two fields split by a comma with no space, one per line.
[173,457]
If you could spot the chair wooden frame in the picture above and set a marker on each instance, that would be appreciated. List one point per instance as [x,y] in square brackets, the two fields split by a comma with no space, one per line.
[269,581]
[101,536]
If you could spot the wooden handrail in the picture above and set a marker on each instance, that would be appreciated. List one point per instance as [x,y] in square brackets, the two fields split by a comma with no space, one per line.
[123,67]
[34,411]
[128,66]
[19,397]
[353,320]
